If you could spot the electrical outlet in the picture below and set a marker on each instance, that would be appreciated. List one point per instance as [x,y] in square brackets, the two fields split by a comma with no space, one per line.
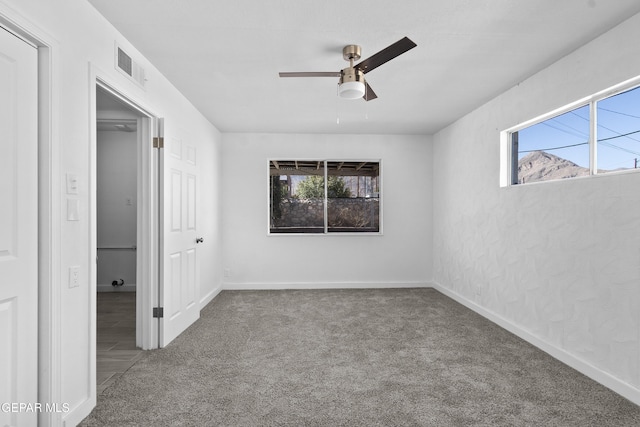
[74,277]
[227,272]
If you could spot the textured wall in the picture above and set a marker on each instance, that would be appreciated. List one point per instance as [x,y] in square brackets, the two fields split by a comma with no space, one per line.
[560,260]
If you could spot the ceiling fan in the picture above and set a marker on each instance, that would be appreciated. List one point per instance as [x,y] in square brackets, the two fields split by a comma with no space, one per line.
[352,84]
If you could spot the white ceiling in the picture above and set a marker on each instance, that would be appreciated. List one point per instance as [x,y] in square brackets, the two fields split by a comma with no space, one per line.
[225,55]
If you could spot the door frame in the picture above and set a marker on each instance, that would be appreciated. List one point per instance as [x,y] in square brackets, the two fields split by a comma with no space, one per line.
[49,239]
[147,225]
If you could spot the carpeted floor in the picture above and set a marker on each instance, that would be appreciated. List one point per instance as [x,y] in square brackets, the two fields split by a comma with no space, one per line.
[405,357]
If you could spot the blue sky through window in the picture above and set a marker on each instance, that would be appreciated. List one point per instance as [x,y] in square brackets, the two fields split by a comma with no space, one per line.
[619,131]
[567,135]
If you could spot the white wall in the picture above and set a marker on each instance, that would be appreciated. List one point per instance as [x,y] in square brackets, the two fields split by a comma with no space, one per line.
[82,42]
[400,257]
[557,262]
[116,172]
[210,218]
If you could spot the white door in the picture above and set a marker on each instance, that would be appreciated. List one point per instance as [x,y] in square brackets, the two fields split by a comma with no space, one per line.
[18,231]
[179,281]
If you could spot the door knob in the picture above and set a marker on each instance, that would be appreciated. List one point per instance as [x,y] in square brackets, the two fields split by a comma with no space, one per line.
[199,240]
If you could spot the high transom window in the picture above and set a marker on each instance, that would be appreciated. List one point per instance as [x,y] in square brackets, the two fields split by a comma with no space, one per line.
[601,136]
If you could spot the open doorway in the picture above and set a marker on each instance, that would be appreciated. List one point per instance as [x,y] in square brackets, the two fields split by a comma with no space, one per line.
[119,135]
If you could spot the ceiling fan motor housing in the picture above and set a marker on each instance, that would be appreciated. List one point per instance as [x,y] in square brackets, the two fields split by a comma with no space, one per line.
[352,51]
[351,75]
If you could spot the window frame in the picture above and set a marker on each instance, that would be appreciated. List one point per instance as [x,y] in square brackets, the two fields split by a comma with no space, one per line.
[509,160]
[326,231]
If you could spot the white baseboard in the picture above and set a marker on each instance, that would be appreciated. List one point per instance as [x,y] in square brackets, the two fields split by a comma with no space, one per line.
[321,285]
[127,287]
[625,390]
[79,412]
[209,297]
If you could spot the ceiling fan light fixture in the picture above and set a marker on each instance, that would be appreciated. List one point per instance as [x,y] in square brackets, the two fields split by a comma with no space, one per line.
[351,84]
[351,90]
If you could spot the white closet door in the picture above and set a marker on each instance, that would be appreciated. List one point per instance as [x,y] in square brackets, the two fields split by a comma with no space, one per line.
[18,232]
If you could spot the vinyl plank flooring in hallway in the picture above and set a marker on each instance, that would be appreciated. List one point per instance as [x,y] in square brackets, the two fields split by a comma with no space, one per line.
[116,338]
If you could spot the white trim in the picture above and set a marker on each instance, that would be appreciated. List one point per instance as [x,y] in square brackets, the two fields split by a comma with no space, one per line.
[147,236]
[330,233]
[326,216]
[50,311]
[49,240]
[209,297]
[87,405]
[146,239]
[325,202]
[505,158]
[625,390]
[117,91]
[593,139]
[551,114]
[323,285]
[20,26]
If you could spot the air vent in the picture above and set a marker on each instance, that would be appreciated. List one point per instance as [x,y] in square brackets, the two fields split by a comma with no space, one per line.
[124,62]
[126,65]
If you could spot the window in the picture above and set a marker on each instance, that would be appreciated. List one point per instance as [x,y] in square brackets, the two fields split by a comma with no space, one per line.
[601,136]
[556,148]
[324,196]
[618,121]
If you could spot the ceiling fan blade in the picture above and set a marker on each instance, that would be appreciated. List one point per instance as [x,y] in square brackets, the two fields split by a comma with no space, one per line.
[385,55]
[369,94]
[312,74]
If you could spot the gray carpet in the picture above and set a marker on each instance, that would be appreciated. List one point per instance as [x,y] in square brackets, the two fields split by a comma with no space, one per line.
[409,357]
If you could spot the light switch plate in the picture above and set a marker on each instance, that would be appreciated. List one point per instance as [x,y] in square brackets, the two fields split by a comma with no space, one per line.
[72,183]
[74,276]
[73,210]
